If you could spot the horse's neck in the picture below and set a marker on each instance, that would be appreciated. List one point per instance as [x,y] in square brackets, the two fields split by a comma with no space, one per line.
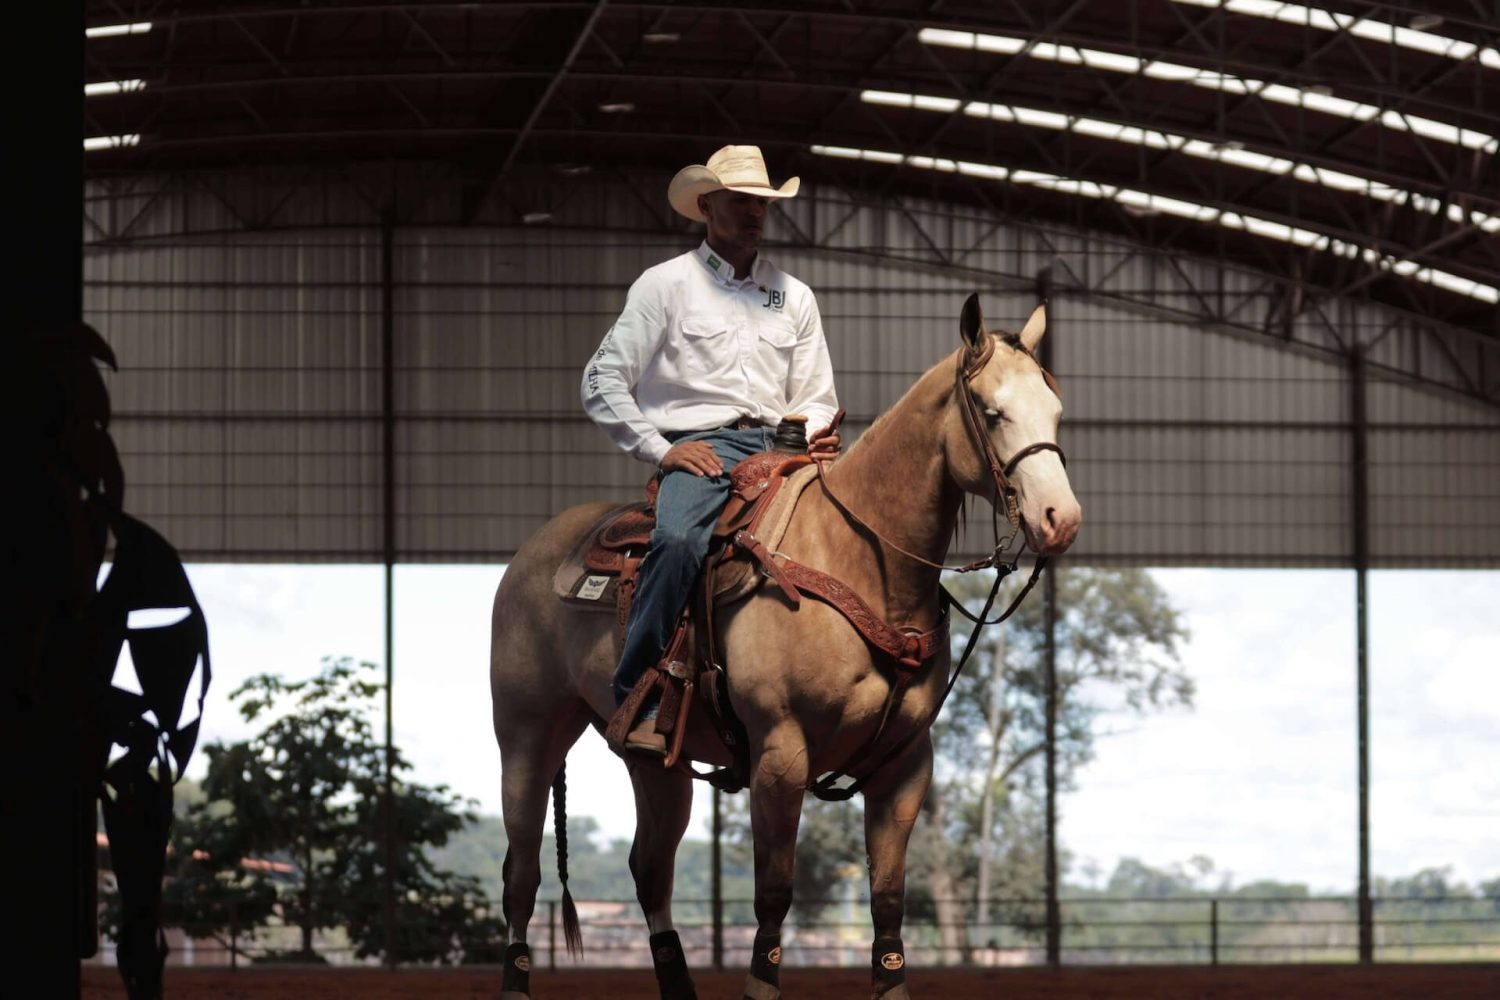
[895,478]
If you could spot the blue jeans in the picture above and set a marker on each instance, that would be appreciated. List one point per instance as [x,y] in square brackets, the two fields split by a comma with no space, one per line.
[687,508]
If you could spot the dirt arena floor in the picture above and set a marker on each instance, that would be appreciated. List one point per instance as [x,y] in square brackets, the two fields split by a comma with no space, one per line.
[1238,982]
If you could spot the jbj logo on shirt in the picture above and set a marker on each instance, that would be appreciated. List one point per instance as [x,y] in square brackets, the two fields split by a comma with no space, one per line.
[775,298]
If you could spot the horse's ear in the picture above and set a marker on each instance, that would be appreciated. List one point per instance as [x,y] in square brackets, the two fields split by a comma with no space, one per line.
[971,322]
[1031,333]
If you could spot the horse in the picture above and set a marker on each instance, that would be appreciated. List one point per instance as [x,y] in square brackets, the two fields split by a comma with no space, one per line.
[810,692]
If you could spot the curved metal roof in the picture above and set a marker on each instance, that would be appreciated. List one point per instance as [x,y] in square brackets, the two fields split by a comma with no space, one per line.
[1348,150]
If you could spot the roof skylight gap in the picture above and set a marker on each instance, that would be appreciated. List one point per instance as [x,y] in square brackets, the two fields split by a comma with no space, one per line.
[105,88]
[1232,151]
[108,30]
[1145,203]
[1298,97]
[1416,37]
[97,142]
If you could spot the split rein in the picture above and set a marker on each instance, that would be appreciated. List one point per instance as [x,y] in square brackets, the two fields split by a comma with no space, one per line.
[969,365]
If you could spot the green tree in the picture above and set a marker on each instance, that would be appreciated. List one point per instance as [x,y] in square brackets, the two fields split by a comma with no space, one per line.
[1117,641]
[308,789]
[1429,883]
[208,890]
[440,916]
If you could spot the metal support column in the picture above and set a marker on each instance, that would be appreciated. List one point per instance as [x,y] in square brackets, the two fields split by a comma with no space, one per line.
[388,557]
[1049,609]
[1360,491]
[1054,910]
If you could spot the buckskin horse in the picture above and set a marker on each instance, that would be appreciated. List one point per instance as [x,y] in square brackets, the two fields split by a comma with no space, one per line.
[813,693]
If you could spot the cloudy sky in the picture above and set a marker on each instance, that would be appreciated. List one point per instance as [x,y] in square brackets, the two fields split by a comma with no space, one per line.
[1259,775]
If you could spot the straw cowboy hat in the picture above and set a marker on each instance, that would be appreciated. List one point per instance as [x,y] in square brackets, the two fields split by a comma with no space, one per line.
[733,168]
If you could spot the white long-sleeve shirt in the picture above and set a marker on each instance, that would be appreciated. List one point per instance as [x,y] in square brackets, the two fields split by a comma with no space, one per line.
[698,347]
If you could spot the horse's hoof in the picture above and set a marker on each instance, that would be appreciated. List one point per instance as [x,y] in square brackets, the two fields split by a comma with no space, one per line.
[759,989]
[672,979]
[515,982]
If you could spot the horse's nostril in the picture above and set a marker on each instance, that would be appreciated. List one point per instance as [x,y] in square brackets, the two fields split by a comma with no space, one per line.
[1052,517]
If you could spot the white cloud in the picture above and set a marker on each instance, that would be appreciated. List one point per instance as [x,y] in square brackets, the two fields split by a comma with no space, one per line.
[1261,775]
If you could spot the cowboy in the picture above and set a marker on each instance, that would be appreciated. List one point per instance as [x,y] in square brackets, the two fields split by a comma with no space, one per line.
[712,349]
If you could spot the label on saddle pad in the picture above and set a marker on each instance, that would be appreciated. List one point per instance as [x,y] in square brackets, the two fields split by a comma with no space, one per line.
[592,588]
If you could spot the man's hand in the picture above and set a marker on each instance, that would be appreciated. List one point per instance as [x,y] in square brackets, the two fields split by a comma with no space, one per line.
[697,457]
[825,443]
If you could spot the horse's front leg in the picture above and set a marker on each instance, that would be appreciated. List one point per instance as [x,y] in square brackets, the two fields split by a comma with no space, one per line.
[777,781]
[663,805]
[893,800]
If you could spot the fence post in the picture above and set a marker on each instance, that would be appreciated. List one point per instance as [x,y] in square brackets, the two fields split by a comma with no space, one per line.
[234,935]
[717,883]
[1213,932]
[551,935]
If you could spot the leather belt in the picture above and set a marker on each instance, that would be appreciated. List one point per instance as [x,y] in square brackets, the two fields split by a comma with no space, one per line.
[740,424]
[743,424]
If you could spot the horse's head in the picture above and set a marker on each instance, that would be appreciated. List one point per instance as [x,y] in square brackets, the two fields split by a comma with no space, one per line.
[1002,430]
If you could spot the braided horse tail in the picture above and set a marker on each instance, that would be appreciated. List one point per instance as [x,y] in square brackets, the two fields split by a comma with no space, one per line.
[572,934]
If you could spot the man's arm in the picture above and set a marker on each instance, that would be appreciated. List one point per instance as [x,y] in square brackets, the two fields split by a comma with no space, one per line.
[810,381]
[610,377]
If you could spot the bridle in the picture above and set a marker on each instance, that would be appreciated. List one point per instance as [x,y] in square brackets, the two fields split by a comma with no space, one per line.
[969,364]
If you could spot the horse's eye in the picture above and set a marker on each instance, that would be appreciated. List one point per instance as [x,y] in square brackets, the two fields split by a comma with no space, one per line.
[992,415]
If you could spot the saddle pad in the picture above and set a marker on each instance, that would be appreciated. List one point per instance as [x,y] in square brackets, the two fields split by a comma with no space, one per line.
[578,581]
[584,584]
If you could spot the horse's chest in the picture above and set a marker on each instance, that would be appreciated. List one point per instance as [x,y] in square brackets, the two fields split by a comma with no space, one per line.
[809,668]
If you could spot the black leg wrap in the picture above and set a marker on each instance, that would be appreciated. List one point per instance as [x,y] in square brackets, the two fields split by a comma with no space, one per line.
[765,960]
[672,978]
[517,975]
[887,965]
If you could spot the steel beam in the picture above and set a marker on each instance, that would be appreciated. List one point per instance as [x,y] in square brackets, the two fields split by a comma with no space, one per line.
[1198,295]
[540,106]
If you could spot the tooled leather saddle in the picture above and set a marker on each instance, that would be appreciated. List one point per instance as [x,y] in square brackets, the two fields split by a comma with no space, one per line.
[601,574]
[764,488]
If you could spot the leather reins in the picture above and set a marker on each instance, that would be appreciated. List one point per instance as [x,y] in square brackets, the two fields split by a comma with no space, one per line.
[968,367]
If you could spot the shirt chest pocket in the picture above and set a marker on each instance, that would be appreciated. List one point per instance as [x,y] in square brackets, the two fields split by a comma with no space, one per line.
[704,343]
[775,341]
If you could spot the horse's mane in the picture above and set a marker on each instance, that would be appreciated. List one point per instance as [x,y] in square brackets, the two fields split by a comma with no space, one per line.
[877,426]
[946,363]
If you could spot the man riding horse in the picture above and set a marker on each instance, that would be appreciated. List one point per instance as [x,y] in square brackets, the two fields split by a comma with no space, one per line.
[838,668]
[713,348]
